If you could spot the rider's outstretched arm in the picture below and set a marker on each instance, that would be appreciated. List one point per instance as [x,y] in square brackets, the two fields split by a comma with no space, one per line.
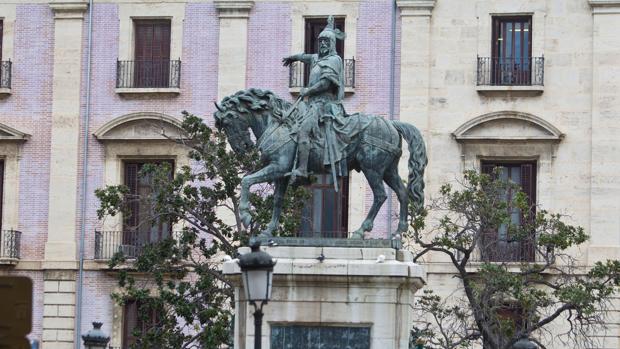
[303,57]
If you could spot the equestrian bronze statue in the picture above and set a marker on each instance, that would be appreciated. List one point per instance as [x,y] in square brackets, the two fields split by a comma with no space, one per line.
[316,135]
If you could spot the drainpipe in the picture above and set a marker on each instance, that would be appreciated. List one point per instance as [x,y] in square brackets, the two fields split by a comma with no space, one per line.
[392,102]
[84,189]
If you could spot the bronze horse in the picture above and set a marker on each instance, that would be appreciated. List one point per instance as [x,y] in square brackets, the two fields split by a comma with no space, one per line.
[374,148]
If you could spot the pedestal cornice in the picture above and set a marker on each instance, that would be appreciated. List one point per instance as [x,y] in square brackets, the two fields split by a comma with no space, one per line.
[416,7]
[234,8]
[69,9]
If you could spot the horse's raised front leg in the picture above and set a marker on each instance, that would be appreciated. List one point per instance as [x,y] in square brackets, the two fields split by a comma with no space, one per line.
[278,200]
[266,174]
[376,184]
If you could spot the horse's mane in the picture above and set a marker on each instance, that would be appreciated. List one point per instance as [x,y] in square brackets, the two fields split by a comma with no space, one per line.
[255,100]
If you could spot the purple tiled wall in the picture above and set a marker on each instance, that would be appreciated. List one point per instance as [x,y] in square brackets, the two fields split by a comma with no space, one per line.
[198,86]
[28,109]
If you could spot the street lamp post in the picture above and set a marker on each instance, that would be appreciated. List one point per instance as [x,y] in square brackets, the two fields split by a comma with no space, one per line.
[96,338]
[257,274]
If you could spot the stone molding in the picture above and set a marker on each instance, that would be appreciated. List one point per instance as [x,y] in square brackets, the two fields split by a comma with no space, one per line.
[10,134]
[234,8]
[104,132]
[605,6]
[553,133]
[69,9]
[416,7]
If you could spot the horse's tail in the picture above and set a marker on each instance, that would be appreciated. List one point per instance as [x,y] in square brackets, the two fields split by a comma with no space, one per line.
[417,161]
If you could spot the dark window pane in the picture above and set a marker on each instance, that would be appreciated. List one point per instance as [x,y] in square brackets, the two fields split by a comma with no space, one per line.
[325,213]
[140,227]
[498,245]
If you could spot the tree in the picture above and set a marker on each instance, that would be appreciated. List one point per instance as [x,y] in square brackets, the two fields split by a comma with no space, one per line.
[499,301]
[178,278]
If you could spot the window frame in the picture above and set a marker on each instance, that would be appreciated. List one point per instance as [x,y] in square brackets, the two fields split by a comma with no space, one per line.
[340,215]
[311,45]
[131,233]
[525,251]
[511,70]
[149,72]
[127,333]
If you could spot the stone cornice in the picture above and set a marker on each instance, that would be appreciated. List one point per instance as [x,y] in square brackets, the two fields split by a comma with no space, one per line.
[234,8]
[416,7]
[605,6]
[69,9]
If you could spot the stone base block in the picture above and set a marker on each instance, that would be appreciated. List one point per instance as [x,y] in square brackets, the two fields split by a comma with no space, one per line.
[345,293]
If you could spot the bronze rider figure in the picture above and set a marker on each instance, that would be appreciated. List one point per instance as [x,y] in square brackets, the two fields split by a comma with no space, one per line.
[320,117]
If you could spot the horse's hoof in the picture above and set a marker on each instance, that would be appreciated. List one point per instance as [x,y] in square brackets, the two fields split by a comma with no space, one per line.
[357,235]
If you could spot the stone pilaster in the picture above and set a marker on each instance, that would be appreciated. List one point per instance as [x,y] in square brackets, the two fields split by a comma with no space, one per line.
[61,242]
[415,67]
[233,43]
[58,309]
[415,60]
[605,182]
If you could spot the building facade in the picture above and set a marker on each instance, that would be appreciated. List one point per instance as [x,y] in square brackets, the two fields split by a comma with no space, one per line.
[85,89]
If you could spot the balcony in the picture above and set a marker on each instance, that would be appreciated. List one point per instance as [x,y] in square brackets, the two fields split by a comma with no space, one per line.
[129,243]
[496,74]
[10,241]
[148,77]
[298,71]
[5,77]
[502,250]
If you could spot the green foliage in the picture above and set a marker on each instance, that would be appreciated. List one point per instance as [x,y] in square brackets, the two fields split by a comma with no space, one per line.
[503,300]
[179,278]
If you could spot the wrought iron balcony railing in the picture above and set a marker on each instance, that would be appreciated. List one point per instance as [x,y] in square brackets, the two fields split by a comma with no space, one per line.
[148,74]
[5,74]
[10,241]
[129,243]
[500,71]
[494,249]
[298,71]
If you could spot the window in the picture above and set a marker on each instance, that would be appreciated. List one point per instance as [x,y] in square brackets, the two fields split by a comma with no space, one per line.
[152,53]
[1,189]
[498,246]
[512,318]
[5,66]
[512,50]
[136,232]
[135,319]
[326,212]
[1,34]
[314,27]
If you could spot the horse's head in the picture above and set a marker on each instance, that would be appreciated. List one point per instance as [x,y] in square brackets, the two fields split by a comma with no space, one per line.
[245,109]
[235,125]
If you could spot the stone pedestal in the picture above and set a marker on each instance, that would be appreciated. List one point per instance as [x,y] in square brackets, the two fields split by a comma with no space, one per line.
[319,288]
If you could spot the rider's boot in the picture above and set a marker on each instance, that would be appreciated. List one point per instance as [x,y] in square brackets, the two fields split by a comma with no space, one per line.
[302,161]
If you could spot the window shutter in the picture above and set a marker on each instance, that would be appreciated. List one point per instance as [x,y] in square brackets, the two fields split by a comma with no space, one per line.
[131,181]
[1,187]
[130,322]
[152,53]
[528,185]
[489,235]
[1,35]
